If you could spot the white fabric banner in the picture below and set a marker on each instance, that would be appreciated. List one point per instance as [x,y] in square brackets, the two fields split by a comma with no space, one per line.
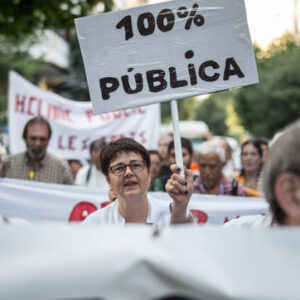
[166,51]
[73,123]
[92,263]
[36,201]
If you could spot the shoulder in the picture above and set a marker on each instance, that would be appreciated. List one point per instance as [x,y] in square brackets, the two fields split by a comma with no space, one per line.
[56,160]
[83,170]
[81,175]
[12,161]
[256,221]
[15,158]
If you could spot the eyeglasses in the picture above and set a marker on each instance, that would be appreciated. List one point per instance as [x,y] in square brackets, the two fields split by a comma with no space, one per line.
[134,165]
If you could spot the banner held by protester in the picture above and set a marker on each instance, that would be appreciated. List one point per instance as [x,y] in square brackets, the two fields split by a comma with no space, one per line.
[73,123]
[39,201]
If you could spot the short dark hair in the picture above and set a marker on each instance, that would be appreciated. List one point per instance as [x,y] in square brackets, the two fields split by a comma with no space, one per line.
[39,121]
[111,151]
[185,143]
[97,144]
[263,141]
[155,152]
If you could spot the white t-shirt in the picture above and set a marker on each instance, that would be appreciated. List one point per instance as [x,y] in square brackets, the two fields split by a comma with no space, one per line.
[158,214]
[96,179]
[255,222]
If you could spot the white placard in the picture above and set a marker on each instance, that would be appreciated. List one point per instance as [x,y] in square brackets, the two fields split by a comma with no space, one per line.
[165,51]
[74,126]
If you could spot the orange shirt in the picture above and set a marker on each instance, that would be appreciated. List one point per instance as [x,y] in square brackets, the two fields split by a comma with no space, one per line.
[250,192]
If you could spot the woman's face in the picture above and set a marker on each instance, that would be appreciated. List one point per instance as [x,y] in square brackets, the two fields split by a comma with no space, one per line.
[251,159]
[134,181]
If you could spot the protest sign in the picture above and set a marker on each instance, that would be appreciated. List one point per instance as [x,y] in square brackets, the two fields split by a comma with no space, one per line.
[73,123]
[165,51]
[38,201]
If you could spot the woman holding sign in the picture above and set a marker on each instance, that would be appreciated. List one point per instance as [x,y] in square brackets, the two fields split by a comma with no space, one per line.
[126,163]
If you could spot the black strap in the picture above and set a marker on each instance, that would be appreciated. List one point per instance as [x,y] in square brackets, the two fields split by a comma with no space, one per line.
[234,187]
[88,175]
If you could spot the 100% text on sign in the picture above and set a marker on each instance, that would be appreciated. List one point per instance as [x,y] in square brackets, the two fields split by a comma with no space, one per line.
[165,21]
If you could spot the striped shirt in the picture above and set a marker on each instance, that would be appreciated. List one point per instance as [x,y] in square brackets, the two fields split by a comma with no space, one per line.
[51,170]
[226,187]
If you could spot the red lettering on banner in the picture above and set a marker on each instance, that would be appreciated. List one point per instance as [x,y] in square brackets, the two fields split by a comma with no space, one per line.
[227,220]
[39,112]
[200,215]
[117,114]
[103,204]
[89,114]
[49,111]
[60,146]
[141,110]
[85,144]
[105,117]
[81,211]
[142,136]
[132,134]
[58,113]
[32,106]
[113,138]
[67,115]
[29,112]
[20,103]
[70,144]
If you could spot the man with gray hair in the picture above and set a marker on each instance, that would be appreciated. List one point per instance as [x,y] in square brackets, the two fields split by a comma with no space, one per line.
[211,159]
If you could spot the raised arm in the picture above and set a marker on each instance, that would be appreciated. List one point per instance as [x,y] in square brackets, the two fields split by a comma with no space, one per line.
[180,190]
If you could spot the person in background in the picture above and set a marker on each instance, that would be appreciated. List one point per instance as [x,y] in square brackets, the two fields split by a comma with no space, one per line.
[187,156]
[162,148]
[155,181]
[228,169]
[251,159]
[36,163]
[211,159]
[74,165]
[3,151]
[126,166]
[264,145]
[280,184]
[90,175]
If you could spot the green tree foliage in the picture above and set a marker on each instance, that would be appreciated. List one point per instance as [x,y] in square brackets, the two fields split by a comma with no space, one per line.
[267,107]
[213,112]
[15,58]
[19,22]
[186,108]
[19,18]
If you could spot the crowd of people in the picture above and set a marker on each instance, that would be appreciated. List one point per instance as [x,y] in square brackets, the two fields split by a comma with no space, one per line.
[127,171]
